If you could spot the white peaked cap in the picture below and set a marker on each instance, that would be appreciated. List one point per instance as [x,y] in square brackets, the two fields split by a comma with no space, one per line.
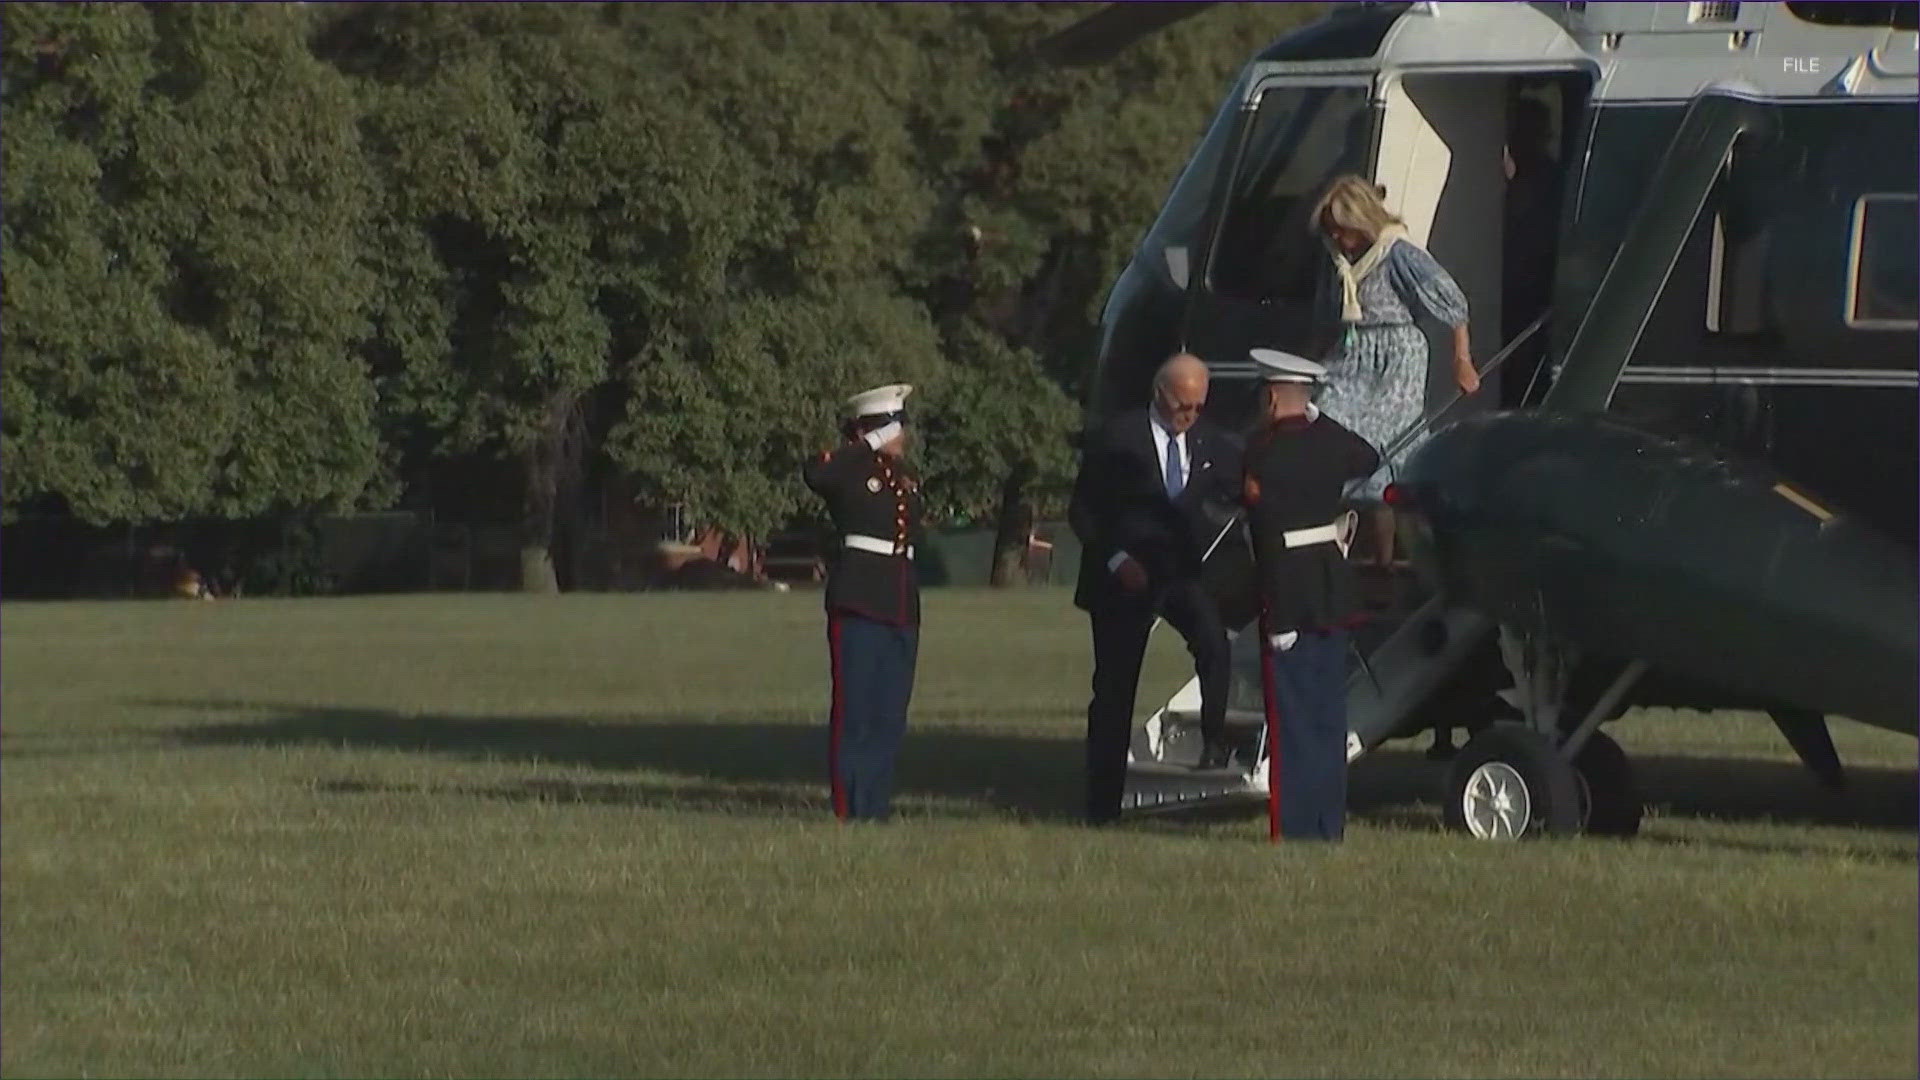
[879,401]
[1277,366]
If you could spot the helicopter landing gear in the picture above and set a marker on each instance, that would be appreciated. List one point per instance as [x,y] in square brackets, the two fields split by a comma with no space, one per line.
[1548,774]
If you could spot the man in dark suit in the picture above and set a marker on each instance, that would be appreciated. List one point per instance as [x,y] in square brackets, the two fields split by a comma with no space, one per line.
[1297,467]
[1151,497]
[872,597]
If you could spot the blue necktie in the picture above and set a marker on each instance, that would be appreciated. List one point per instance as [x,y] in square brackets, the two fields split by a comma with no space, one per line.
[1174,480]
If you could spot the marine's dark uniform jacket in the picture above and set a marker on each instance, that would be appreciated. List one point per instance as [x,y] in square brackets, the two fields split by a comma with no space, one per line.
[1296,471]
[869,494]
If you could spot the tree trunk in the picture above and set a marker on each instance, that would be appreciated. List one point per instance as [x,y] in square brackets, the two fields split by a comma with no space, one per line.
[536,525]
[536,568]
[1014,529]
[552,476]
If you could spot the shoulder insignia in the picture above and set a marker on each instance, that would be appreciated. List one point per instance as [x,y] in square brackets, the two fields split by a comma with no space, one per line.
[873,484]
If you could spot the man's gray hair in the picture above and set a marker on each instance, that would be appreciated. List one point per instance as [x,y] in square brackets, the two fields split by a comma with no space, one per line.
[1176,362]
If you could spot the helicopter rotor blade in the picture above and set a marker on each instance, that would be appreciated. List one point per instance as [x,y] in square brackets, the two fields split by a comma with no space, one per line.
[1104,34]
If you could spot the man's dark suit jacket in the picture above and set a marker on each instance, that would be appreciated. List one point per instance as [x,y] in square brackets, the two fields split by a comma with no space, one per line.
[1120,504]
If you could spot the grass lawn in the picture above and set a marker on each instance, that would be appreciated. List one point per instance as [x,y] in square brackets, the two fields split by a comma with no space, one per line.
[509,836]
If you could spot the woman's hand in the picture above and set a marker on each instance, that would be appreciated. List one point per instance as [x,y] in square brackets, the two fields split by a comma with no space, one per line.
[1463,371]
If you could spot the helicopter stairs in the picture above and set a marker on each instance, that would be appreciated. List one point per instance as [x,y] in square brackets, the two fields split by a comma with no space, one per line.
[1410,650]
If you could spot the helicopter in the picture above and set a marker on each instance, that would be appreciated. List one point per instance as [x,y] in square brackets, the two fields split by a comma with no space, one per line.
[1695,489]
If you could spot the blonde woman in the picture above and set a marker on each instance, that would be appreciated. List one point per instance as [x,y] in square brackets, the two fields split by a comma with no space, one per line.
[1381,281]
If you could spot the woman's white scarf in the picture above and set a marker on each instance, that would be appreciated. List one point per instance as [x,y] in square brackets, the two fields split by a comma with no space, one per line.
[1352,274]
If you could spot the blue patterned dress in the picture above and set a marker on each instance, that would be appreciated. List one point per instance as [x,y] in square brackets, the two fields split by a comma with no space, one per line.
[1377,379]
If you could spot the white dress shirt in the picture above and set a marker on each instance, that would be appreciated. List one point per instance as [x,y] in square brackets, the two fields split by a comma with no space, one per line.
[1161,434]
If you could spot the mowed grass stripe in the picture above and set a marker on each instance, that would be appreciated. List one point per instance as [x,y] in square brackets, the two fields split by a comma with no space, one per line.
[497,835]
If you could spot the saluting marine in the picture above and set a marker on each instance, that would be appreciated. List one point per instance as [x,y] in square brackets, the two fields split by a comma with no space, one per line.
[1297,466]
[873,597]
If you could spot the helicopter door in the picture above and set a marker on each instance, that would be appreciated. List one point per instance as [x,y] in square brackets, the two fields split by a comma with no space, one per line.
[1475,163]
[1261,269]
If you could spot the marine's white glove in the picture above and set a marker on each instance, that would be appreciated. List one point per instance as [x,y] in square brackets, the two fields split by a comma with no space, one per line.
[1344,527]
[1283,642]
[881,436]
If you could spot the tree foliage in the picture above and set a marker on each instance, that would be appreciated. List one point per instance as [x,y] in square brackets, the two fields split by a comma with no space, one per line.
[261,257]
[184,294]
[815,110]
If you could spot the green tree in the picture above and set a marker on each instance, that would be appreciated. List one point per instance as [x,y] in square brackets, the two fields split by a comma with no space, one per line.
[182,287]
[549,203]
[827,129]
[675,235]
[995,440]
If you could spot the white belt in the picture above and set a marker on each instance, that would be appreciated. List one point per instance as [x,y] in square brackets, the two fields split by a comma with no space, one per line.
[1319,534]
[1339,532]
[876,545]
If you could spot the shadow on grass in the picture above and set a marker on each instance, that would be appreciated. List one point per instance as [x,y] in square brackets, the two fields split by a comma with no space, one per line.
[730,758]
[776,763]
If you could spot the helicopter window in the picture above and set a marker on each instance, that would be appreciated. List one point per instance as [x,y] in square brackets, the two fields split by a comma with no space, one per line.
[1716,285]
[1885,288]
[1302,137]
[1736,277]
[1186,201]
[1743,217]
[1899,16]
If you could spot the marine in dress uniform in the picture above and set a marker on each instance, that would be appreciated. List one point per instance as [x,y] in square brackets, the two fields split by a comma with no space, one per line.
[872,597]
[1296,468]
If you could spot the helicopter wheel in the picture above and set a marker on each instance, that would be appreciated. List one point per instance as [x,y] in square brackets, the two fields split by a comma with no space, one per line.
[1509,783]
[1610,801]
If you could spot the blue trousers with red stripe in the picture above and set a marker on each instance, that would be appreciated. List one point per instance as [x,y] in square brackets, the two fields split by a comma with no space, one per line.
[873,665]
[1307,704]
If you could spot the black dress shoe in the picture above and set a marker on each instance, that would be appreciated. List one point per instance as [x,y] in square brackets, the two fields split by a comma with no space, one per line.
[1214,757]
